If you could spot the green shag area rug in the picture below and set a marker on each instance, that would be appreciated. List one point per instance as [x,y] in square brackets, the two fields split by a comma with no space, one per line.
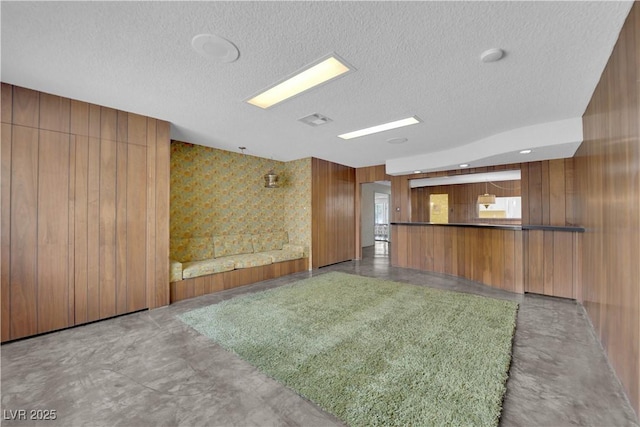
[374,352]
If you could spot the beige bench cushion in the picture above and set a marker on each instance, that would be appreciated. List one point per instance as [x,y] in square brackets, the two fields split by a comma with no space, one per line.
[175,271]
[249,260]
[204,267]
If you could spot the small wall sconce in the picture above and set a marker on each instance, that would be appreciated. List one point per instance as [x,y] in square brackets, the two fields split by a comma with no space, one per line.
[271,180]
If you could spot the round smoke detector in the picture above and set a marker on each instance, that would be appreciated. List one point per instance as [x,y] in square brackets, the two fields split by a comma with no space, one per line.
[397,140]
[215,47]
[492,55]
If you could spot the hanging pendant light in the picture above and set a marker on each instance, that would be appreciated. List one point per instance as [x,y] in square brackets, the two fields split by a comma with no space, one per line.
[486,199]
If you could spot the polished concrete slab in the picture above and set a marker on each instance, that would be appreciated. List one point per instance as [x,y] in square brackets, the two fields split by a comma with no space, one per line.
[148,368]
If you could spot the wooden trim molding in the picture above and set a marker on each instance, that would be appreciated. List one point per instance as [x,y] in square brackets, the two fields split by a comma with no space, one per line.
[198,286]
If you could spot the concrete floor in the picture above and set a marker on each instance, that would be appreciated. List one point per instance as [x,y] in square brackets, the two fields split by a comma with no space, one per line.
[148,368]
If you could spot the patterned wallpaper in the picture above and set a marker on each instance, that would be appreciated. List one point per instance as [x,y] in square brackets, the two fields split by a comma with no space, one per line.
[217,192]
[297,201]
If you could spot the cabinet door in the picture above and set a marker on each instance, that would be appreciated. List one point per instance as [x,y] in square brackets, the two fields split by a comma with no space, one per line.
[53,231]
[24,228]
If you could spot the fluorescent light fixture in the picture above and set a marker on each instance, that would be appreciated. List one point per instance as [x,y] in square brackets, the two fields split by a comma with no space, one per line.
[380,128]
[312,76]
[417,171]
[464,165]
[525,152]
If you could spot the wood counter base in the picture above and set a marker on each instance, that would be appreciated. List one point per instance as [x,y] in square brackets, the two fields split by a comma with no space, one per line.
[508,258]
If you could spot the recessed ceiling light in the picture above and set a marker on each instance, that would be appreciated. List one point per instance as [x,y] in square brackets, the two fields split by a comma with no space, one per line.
[216,47]
[525,152]
[381,128]
[397,140]
[492,55]
[417,171]
[311,76]
[464,165]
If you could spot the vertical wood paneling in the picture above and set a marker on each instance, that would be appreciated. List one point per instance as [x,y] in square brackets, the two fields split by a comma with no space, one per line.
[93,230]
[535,262]
[547,262]
[438,249]
[53,231]
[85,212]
[557,192]
[7,103]
[136,227]
[94,120]
[5,223]
[607,185]
[54,113]
[509,253]
[137,129]
[545,193]
[121,223]
[26,107]
[524,185]
[24,231]
[577,267]
[490,256]
[150,263]
[534,194]
[123,126]
[71,239]
[79,118]
[162,214]
[498,258]
[519,260]
[108,170]
[570,192]
[80,224]
[563,265]
[333,213]
[108,124]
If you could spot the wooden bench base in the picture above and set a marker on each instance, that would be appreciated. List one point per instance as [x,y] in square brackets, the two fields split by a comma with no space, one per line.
[190,288]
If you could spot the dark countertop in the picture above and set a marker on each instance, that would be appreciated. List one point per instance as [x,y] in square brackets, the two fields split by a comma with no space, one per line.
[500,226]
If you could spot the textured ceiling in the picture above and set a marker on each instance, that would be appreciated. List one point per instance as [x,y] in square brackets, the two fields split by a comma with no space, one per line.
[412,58]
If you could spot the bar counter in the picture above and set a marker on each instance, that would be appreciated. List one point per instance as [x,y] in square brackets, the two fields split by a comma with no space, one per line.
[540,259]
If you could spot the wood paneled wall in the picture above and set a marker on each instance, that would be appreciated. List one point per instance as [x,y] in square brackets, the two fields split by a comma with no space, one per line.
[463,200]
[332,213]
[85,212]
[365,175]
[490,256]
[550,193]
[552,263]
[607,178]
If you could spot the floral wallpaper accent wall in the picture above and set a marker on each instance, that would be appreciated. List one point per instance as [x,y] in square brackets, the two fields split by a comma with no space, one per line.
[217,192]
[297,202]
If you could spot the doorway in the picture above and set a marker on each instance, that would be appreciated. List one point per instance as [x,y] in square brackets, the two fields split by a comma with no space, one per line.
[374,219]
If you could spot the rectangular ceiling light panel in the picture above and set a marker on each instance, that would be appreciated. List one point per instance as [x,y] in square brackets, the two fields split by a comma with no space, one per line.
[310,77]
[381,128]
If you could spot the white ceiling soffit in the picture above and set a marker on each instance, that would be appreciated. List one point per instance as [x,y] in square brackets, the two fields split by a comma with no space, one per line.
[553,140]
[512,175]
[411,58]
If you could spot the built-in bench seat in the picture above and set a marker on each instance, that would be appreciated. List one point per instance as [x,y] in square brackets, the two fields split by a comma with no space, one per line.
[264,256]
